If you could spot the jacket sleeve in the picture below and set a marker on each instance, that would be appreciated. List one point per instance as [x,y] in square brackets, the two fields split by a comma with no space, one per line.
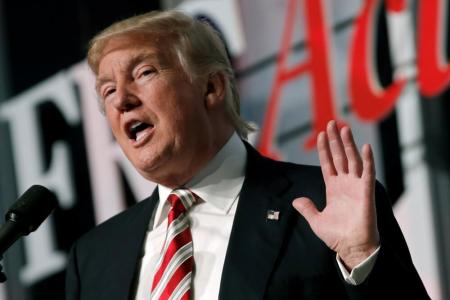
[393,275]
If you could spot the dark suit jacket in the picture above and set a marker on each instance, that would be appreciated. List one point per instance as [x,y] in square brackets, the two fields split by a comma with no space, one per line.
[266,259]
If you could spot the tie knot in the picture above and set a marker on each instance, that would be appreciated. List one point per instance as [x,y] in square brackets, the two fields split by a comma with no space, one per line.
[182,199]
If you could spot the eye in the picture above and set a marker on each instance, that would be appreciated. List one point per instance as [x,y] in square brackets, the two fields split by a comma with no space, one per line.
[145,72]
[108,91]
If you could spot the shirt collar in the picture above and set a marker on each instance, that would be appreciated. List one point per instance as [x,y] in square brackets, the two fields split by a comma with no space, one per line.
[220,181]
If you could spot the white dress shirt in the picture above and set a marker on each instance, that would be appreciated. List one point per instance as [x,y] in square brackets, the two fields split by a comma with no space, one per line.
[218,184]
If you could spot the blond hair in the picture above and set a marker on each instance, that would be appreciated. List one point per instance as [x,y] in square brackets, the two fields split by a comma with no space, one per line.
[197,46]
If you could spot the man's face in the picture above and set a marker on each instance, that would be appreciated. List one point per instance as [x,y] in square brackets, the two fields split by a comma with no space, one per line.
[156,114]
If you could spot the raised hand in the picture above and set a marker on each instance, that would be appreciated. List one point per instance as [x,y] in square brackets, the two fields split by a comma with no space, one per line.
[348,223]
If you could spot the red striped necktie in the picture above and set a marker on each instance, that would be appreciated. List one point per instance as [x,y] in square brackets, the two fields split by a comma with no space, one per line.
[173,277]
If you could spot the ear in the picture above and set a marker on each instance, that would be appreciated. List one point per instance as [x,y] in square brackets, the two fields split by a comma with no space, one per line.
[215,90]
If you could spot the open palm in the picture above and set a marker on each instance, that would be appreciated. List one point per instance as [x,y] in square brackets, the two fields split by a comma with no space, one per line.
[347,224]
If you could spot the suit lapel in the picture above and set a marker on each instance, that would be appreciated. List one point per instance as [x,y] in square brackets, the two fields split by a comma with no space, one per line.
[126,258]
[255,240]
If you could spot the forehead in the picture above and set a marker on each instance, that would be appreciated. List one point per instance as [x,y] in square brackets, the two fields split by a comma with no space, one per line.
[132,48]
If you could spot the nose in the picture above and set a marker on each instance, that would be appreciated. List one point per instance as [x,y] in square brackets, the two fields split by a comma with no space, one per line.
[126,99]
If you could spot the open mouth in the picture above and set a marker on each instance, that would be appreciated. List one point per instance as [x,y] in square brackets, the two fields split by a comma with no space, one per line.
[138,130]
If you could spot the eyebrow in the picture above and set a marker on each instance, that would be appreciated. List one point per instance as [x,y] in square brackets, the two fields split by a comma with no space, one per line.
[130,65]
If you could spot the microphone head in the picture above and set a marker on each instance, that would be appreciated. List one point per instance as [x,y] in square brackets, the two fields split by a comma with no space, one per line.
[32,208]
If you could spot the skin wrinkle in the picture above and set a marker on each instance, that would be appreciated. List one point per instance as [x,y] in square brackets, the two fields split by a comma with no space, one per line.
[188,117]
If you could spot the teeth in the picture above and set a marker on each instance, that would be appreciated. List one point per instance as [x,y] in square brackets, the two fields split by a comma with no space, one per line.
[135,125]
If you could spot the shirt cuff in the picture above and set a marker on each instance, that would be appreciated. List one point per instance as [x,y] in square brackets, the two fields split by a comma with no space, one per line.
[361,271]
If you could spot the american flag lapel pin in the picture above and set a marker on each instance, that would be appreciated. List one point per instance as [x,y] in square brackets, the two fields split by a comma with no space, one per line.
[273,215]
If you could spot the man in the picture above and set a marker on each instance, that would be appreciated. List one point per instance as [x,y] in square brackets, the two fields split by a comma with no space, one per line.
[257,229]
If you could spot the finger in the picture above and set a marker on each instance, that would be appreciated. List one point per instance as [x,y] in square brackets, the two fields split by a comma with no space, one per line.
[306,208]
[368,172]
[326,161]
[353,157]
[337,148]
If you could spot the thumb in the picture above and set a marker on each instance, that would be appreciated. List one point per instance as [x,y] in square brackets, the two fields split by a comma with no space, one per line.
[306,208]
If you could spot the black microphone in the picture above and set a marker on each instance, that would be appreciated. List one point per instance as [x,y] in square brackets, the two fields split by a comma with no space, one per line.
[26,215]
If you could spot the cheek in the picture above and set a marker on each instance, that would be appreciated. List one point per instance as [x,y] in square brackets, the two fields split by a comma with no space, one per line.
[114,123]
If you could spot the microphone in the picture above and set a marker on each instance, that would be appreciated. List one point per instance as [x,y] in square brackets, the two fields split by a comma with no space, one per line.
[26,215]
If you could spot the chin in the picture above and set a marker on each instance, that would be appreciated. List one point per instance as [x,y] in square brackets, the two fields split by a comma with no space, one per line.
[150,169]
